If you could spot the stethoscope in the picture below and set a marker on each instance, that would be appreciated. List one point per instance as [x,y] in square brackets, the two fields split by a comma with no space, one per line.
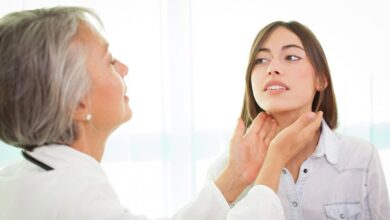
[36,162]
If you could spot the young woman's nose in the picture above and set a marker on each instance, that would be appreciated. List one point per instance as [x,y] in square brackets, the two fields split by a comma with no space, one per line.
[273,72]
[273,68]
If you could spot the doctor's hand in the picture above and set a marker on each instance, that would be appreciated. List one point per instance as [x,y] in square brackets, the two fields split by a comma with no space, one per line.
[246,155]
[293,139]
[248,148]
[285,145]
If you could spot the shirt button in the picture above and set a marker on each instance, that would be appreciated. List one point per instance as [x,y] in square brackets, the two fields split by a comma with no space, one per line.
[295,204]
[284,172]
[342,216]
[305,170]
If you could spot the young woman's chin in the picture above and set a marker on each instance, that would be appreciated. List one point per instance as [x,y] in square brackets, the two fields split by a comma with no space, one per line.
[277,109]
[274,111]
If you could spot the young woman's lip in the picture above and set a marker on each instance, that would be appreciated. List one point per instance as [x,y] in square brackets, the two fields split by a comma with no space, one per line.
[274,83]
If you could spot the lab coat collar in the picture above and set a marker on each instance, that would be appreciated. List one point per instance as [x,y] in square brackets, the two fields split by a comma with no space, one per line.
[61,156]
[328,145]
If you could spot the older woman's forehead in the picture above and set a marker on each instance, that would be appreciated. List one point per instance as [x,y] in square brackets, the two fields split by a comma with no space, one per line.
[87,34]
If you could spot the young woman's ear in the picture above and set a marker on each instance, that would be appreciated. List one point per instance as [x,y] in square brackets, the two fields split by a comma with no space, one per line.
[321,83]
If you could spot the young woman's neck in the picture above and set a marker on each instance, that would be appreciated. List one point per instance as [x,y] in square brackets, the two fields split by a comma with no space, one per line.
[286,119]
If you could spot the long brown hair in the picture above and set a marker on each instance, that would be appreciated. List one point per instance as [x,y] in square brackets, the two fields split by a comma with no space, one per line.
[324,100]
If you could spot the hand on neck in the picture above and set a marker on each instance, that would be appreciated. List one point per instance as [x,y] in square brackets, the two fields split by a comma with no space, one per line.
[285,119]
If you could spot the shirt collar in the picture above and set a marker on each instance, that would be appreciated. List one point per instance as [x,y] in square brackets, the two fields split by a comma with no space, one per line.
[60,156]
[328,145]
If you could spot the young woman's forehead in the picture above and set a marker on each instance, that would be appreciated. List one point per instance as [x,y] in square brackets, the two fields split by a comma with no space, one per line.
[280,37]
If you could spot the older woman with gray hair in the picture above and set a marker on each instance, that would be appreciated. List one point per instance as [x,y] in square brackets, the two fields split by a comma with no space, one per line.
[61,96]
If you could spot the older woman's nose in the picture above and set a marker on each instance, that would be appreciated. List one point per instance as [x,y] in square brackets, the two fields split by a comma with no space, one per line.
[122,68]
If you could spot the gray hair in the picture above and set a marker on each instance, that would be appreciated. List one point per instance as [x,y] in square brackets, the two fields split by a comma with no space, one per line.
[43,75]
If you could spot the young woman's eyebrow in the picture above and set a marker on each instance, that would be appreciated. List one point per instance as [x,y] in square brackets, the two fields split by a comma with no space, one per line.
[263,49]
[292,45]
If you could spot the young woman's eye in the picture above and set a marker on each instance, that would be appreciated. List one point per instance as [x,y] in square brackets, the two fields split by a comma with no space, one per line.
[260,61]
[292,58]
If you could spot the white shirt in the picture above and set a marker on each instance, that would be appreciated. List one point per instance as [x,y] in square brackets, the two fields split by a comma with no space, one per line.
[342,179]
[78,188]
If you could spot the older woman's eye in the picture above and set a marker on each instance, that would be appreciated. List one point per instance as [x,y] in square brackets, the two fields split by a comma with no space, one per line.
[292,58]
[260,61]
[113,61]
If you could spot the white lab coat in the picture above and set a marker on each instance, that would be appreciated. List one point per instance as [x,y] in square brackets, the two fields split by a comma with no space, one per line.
[78,188]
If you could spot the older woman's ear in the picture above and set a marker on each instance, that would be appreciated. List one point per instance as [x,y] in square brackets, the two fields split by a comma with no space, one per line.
[82,111]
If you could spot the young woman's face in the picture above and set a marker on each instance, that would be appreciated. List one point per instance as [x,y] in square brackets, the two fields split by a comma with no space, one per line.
[283,79]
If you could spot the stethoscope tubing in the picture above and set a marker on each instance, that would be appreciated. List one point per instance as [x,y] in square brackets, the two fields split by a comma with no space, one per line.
[36,162]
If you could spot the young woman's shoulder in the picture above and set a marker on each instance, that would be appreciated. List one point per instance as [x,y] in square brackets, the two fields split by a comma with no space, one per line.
[355,152]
